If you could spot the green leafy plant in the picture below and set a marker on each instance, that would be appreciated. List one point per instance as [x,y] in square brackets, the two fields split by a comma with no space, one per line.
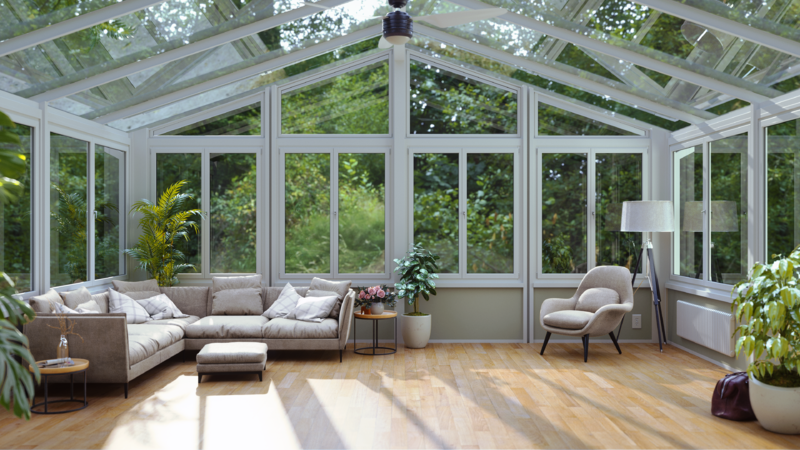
[767,304]
[163,223]
[16,381]
[417,272]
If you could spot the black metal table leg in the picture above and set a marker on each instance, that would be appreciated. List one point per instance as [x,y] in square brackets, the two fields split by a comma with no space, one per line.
[72,386]
[45,394]
[375,346]
[46,403]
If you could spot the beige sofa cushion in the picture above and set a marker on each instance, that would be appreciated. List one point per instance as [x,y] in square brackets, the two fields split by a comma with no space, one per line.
[44,303]
[340,287]
[77,297]
[141,295]
[134,286]
[233,353]
[595,298]
[181,322]
[144,340]
[569,320]
[102,300]
[296,329]
[226,327]
[224,283]
[237,302]
[190,300]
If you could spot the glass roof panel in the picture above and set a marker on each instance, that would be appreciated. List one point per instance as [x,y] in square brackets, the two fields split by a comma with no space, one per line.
[18,17]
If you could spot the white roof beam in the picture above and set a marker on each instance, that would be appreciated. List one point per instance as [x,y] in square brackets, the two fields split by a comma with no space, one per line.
[79,81]
[170,94]
[626,96]
[69,26]
[669,65]
[722,20]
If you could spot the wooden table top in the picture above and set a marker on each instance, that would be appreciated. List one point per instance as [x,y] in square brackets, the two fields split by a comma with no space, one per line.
[385,315]
[80,364]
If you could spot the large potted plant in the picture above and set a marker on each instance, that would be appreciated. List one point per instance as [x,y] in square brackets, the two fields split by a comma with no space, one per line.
[164,222]
[767,306]
[417,272]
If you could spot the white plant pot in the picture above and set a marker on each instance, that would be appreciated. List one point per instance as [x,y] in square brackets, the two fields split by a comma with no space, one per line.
[416,330]
[376,308]
[777,408]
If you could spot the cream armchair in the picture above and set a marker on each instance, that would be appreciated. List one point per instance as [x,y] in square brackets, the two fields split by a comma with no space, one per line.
[597,308]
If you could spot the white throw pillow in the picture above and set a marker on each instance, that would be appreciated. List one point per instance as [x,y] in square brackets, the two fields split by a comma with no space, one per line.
[313,309]
[176,313]
[157,307]
[64,309]
[285,303]
[91,305]
[77,297]
[121,303]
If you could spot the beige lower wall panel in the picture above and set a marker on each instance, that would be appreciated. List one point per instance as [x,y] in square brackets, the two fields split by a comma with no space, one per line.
[673,297]
[642,304]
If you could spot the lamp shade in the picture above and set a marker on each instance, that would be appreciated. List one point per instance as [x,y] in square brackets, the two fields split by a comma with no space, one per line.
[723,216]
[647,216]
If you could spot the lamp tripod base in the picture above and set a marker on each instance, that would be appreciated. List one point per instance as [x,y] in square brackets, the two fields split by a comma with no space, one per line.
[662,335]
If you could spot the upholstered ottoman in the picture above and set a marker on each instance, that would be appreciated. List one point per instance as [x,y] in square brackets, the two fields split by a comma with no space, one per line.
[232,357]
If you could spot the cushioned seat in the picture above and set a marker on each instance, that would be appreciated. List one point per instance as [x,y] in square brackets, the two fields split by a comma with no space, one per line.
[232,357]
[182,322]
[226,327]
[297,329]
[570,320]
[145,340]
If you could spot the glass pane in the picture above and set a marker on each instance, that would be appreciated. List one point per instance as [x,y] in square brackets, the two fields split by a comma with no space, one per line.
[174,167]
[564,206]
[618,179]
[444,102]
[15,217]
[353,103]
[558,122]
[436,206]
[69,161]
[688,185]
[783,188]
[245,121]
[728,180]
[233,213]
[20,17]
[109,192]
[308,213]
[362,213]
[490,213]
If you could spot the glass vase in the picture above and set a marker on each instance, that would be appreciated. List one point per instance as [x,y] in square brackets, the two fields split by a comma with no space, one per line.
[63,348]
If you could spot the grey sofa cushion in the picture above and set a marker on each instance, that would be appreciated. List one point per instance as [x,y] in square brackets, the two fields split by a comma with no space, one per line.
[237,302]
[233,353]
[569,320]
[102,300]
[44,303]
[223,283]
[296,329]
[226,327]
[77,297]
[141,295]
[182,322]
[595,298]
[340,287]
[145,340]
[190,300]
[132,286]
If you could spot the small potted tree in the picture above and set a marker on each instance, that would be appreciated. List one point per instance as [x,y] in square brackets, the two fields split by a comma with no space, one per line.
[767,306]
[417,272]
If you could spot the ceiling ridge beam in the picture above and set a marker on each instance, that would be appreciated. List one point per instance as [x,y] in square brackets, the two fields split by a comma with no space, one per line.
[180,91]
[627,94]
[69,26]
[116,69]
[634,53]
[723,20]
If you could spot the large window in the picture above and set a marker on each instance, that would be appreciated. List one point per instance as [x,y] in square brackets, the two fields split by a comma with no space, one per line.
[170,169]
[465,206]
[783,188]
[688,204]
[109,197]
[577,233]
[16,219]
[334,212]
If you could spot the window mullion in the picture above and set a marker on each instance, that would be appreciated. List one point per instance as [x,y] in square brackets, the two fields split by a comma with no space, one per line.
[462,213]
[90,211]
[205,205]
[591,213]
[706,212]
[334,168]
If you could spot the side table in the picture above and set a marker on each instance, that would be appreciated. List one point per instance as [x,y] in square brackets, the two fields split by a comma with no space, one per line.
[375,318]
[80,366]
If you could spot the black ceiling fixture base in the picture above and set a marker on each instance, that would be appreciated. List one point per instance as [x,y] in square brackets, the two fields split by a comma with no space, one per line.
[398,23]
[398,3]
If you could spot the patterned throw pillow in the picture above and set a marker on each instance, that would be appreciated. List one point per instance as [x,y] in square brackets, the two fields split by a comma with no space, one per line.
[285,303]
[313,309]
[158,307]
[340,287]
[121,303]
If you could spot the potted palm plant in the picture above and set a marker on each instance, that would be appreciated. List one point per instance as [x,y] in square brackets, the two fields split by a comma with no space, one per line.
[417,272]
[767,306]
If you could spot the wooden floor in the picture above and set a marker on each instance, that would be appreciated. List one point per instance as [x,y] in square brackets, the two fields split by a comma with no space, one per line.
[445,396]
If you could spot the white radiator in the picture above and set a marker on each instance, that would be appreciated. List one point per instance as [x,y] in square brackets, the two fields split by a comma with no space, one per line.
[707,327]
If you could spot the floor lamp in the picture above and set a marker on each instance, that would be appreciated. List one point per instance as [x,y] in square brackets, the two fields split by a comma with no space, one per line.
[649,217]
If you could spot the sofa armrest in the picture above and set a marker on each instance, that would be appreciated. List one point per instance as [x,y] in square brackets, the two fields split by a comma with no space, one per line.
[607,318]
[552,305]
[104,343]
[346,318]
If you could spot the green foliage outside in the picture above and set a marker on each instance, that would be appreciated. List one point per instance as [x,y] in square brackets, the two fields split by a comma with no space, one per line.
[783,188]
[553,121]
[234,213]
[417,274]
[564,204]
[15,198]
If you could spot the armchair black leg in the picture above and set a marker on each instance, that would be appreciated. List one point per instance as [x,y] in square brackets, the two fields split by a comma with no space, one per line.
[585,347]
[614,339]
[544,346]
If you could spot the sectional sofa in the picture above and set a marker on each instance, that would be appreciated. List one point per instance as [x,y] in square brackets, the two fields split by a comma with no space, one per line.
[119,352]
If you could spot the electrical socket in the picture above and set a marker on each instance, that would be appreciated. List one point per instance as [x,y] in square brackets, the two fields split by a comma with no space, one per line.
[637,321]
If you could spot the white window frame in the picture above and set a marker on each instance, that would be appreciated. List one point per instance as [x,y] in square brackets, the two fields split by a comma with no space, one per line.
[589,114]
[519,223]
[211,113]
[280,227]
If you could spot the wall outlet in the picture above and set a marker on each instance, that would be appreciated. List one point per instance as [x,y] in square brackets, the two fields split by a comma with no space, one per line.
[637,321]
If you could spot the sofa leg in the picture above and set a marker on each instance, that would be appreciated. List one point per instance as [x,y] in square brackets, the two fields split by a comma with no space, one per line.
[260,375]
[544,346]
[585,348]
[340,355]
[199,378]
[126,390]
[616,344]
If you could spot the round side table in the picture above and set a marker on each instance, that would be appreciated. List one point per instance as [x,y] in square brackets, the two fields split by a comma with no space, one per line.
[375,318]
[80,366]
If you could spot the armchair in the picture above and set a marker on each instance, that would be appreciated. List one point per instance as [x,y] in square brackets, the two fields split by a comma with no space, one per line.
[599,305]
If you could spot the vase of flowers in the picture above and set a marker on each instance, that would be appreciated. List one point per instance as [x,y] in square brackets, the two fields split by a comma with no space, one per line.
[376,298]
